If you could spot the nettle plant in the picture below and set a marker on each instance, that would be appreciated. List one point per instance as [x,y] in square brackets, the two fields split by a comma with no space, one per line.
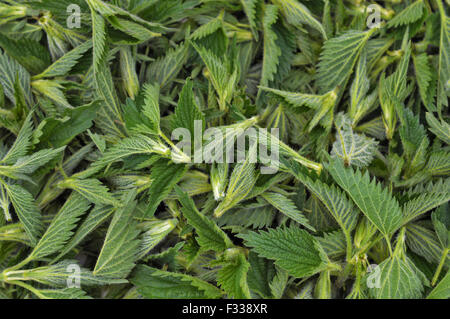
[97,200]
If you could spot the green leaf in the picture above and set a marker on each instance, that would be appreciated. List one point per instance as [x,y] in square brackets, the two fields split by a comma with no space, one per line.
[337,203]
[352,148]
[410,14]
[242,180]
[154,232]
[323,104]
[334,244]
[118,253]
[232,277]
[442,290]
[398,280]
[96,217]
[156,284]
[63,65]
[165,69]
[187,110]
[151,106]
[441,223]
[338,57]
[439,128]
[28,164]
[222,74]
[423,242]
[21,144]
[293,249]
[377,204]
[287,207]
[136,145]
[272,51]
[210,236]
[260,275]
[164,175]
[444,58]
[57,133]
[60,229]
[53,90]
[296,14]
[60,274]
[432,196]
[27,211]
[91,189]
[425,80]
[249,7]
[65,293]
[28,52]
[10,70]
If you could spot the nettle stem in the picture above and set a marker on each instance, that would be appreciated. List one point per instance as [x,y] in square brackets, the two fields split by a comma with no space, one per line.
[440,266]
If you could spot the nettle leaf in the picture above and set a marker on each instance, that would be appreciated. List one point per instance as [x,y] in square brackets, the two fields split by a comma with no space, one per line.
[432,196]
[164,176]
[119,251]
[338,58]
[65,293]
[154,232]
[187,110]
[272,51]
[10,70]
[376,202]
[210,236]
[249,7]
[260,275]
[439,128]
[323,104]
[156,284]
[410,14]
[424,242]
[296,14]
[441,223]
[21,144]
[444,64]
[151,106]
[28,164]
[60,229]
[60,274]
[334,244]
[442,289]
[165,69]
[98,215]
[232,277]
[28,52]
[287,207]
[293,249]
[352,148]
[136,145]
[91,189]
[63,65]
[398,280]
[27,211]
[337,203]
[242,179]
[426,79]
[57,133]
[223,74]
[359,102]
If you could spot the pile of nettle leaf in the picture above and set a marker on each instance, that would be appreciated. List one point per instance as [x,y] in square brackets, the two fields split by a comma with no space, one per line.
[98,201]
